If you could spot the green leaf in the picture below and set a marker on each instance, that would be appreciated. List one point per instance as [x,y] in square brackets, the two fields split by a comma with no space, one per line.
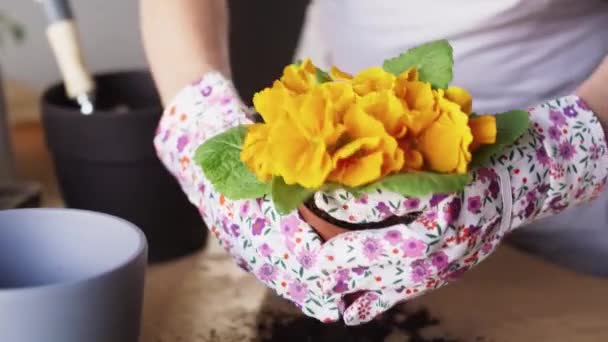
[418,184]
[433,60]
[287,198]
[220,159]
[509,127]
[322,76]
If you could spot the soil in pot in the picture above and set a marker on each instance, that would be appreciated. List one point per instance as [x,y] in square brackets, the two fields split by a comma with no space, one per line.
[328,227]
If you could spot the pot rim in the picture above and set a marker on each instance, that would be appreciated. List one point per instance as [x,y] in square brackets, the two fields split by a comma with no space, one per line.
[55,109]
[350,226]
[140,251]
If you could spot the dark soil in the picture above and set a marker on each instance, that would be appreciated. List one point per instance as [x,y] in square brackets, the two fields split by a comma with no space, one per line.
[395,326]
[390,221]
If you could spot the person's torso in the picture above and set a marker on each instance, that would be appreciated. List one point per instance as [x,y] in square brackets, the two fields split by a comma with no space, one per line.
[508,53]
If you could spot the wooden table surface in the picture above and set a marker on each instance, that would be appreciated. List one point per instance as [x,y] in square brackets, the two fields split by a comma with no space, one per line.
[205,297]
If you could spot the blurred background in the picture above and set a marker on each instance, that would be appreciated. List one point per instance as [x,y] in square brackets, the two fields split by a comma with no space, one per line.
[109,28]
[111,41]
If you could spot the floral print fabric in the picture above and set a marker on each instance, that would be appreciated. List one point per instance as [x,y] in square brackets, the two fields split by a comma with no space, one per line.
[561,161]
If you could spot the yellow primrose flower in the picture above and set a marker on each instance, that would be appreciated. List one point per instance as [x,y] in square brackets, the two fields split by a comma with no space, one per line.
[413,158]
[445,142]
[403,80]
[299,142]
[339,75]
[419,101]
[460,97]
[371,154]
[316,117]
[373,79]
[387,108]
[355,130]
[340,96]
[358,162]
[409,75]
[483,129]
[296,158]
[300,78]
[255,153]
[275,102]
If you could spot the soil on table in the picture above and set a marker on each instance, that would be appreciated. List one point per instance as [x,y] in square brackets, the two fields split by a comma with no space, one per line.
[397,325]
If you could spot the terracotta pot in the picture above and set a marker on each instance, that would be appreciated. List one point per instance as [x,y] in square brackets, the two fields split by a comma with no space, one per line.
[328,229]
[325,229]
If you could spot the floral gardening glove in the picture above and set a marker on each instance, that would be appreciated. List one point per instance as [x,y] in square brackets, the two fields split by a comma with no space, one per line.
[282,252]
[559,163]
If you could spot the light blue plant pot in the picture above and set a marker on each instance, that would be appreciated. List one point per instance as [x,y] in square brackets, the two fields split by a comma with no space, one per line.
[70,276]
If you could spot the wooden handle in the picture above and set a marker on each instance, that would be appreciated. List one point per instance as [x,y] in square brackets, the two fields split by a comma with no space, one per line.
[65,43]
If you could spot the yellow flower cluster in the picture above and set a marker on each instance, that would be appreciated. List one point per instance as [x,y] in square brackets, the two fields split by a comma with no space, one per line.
[354,130]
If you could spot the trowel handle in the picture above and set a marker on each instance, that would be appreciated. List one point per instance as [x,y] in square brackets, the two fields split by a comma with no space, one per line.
[64,39]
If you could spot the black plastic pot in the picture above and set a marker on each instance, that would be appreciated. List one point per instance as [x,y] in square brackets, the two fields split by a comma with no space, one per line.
[106,162]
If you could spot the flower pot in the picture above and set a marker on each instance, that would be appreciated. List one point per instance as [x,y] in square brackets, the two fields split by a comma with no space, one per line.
[328,227]
[106,162]
[324,228]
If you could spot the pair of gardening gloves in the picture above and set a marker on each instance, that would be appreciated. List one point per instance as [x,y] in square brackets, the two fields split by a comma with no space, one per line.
[561,161]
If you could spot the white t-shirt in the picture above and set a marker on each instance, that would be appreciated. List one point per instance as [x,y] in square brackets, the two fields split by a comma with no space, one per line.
[508,53]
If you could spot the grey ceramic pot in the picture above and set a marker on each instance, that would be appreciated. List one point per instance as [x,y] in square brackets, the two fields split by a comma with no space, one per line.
[70,276]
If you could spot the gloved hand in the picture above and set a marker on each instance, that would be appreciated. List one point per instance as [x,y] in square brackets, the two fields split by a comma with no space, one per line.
[451,234]
[560,162]
[282,252]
